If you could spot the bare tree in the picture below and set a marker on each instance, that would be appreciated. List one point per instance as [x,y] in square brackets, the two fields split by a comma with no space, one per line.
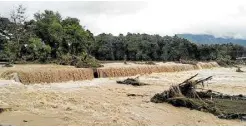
[18,18]
[18,15]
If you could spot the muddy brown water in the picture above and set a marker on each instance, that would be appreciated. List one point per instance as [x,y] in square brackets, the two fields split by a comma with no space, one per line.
[104,102]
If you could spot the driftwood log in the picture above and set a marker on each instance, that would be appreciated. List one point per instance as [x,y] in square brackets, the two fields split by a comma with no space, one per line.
[188,94]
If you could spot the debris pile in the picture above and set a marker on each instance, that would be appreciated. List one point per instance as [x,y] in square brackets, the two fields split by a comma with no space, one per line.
[8,65]
[4,108]
[239,70]
[146,62]
[191,94]
[132,81]
[188,62]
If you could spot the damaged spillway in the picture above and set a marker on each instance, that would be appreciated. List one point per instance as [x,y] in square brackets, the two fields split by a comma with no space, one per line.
[52,75]
[148,69]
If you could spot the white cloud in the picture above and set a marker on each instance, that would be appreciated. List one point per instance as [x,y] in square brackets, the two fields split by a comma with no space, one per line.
[218,17]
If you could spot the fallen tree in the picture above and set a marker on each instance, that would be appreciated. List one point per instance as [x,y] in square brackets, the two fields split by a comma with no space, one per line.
[191,94]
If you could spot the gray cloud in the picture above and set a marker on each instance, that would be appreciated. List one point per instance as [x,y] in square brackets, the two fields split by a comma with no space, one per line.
[78,7]
[221,18]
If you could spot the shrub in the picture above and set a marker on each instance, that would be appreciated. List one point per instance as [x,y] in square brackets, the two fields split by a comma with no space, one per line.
[82,61]
[225,61]
[89,62]
[65,60]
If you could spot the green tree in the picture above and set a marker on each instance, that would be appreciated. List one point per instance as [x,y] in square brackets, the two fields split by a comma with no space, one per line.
[76,38]
[49,29]
[38,50]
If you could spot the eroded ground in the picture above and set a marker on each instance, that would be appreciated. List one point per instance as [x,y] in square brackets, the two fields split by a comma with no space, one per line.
[103,102]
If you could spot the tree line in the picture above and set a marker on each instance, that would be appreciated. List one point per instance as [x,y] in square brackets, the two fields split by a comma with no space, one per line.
[158,48]
[50,38]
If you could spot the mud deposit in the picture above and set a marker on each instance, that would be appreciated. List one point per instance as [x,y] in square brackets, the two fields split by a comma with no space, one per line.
[104,102]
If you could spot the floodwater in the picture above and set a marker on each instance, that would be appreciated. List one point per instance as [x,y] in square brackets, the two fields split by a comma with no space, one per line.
[104,102]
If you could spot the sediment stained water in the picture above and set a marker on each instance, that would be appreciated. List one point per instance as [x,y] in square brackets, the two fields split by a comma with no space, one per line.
[104,102]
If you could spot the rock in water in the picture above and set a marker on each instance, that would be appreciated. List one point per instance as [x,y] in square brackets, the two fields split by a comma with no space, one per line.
[15,77]
[4,108]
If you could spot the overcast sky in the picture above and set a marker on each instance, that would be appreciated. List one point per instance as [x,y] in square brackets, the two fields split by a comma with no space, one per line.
[167,17]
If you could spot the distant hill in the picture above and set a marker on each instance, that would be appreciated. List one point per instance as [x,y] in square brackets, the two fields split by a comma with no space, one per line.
[210,39]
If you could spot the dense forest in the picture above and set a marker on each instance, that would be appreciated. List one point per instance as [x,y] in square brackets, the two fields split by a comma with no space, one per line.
[50,38]
[157,48]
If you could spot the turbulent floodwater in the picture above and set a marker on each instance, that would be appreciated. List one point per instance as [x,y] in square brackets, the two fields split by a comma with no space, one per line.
[103,102]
